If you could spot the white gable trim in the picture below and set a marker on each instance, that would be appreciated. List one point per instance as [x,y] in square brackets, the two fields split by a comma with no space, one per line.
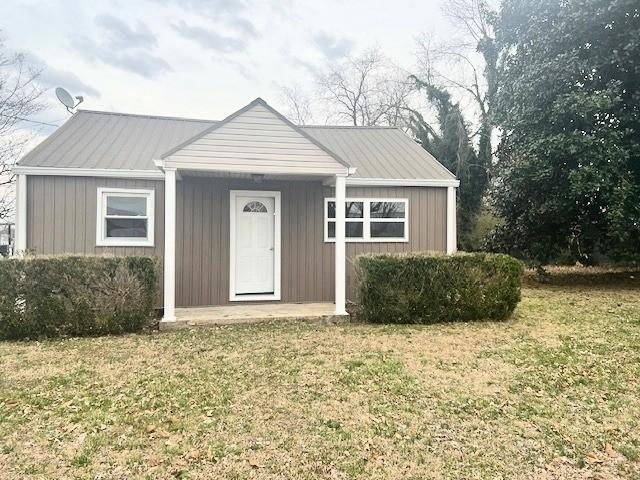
[90,172]
[256,139]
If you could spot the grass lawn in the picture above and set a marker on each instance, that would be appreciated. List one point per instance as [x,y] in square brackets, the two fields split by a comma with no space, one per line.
[552,393]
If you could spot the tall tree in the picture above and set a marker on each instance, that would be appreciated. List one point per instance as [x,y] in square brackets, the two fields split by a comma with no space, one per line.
[450,143]
[19,100]
[569,107]
[468,65]
[465,66]
[477,20]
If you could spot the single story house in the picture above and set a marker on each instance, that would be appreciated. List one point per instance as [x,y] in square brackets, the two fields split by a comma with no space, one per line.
[240,210]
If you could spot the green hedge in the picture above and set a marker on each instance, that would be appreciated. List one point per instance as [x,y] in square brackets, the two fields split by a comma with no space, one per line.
[75,295]
[427,288]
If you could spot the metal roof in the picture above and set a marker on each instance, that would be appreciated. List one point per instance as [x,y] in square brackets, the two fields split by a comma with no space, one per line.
[380,152]
[106,140]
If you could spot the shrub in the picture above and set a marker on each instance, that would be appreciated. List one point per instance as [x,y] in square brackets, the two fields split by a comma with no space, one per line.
[427,288]
[475,239]
[75,295]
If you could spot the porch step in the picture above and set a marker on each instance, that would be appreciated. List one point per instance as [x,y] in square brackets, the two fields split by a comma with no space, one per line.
[253,313]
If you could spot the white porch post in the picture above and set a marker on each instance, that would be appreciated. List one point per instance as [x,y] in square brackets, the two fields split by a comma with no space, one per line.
[452,240]
[341,194]
[21,214]
[169,245]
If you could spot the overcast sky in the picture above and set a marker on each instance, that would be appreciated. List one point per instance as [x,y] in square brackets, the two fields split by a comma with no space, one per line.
[202,58]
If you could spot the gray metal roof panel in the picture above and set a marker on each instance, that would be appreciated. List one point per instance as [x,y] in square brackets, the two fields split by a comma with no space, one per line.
[381,152]
[106,140]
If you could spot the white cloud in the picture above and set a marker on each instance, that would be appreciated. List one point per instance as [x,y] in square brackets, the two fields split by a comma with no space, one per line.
[122,46]
[333,47]
[210,39]
[54,77]
[122,35]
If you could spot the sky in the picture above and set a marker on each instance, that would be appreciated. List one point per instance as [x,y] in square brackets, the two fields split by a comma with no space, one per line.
[202,58]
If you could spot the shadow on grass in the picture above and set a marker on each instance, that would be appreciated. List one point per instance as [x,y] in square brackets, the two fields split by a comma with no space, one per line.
[596,277]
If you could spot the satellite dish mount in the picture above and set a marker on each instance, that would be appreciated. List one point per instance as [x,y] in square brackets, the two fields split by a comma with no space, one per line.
[67,100]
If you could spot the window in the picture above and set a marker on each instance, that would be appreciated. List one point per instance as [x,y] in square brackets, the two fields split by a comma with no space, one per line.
[255,207]
[125,217]
[369,220]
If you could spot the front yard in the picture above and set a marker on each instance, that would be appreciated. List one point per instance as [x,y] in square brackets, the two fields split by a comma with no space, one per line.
[552,393]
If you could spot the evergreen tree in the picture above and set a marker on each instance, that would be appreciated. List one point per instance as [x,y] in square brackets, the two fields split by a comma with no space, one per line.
[568,105]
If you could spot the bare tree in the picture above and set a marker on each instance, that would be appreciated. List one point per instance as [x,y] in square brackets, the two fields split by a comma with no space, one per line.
[19,100]
[473,17]
[298,105]
[366,90]
[468,65]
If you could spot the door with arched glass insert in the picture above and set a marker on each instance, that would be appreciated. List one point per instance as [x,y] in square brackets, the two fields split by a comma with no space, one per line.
[254,260]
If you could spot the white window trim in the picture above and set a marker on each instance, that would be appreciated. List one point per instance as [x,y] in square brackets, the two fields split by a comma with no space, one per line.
[102,240]
[277,259]
[367,220]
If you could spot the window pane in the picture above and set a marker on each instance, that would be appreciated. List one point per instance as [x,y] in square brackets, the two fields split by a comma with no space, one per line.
[254,206]
[387,210]
[354,210]
[353,229]
[126,227]
[387,229]
[129,206]
[331,210]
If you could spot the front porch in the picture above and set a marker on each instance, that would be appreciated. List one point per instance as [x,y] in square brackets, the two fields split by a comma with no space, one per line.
[253,313]
[256,155]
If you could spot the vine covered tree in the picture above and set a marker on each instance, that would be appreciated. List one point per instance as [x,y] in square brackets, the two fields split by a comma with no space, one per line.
[464,68]
[450,143]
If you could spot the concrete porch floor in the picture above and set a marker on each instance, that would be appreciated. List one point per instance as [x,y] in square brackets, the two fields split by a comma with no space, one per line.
[252,313]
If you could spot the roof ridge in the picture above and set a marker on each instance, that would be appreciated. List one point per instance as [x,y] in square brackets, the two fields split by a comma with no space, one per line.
[190,119]
[144,115]
[355,127]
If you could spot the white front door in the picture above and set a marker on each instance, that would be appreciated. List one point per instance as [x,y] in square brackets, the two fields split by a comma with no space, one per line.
[255,255]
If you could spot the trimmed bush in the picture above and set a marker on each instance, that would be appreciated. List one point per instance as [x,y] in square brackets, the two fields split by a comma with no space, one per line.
[427,288]
[75,295]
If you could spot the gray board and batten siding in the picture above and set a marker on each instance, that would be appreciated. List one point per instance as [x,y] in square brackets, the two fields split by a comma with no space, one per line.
[61,218]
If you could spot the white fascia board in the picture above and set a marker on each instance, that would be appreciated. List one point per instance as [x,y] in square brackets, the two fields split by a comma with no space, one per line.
[402,182]
[256,168]
[397,182]
[89,172]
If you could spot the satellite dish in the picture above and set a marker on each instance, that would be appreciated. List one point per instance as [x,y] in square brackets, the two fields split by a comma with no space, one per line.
[67,100]
[65,97]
